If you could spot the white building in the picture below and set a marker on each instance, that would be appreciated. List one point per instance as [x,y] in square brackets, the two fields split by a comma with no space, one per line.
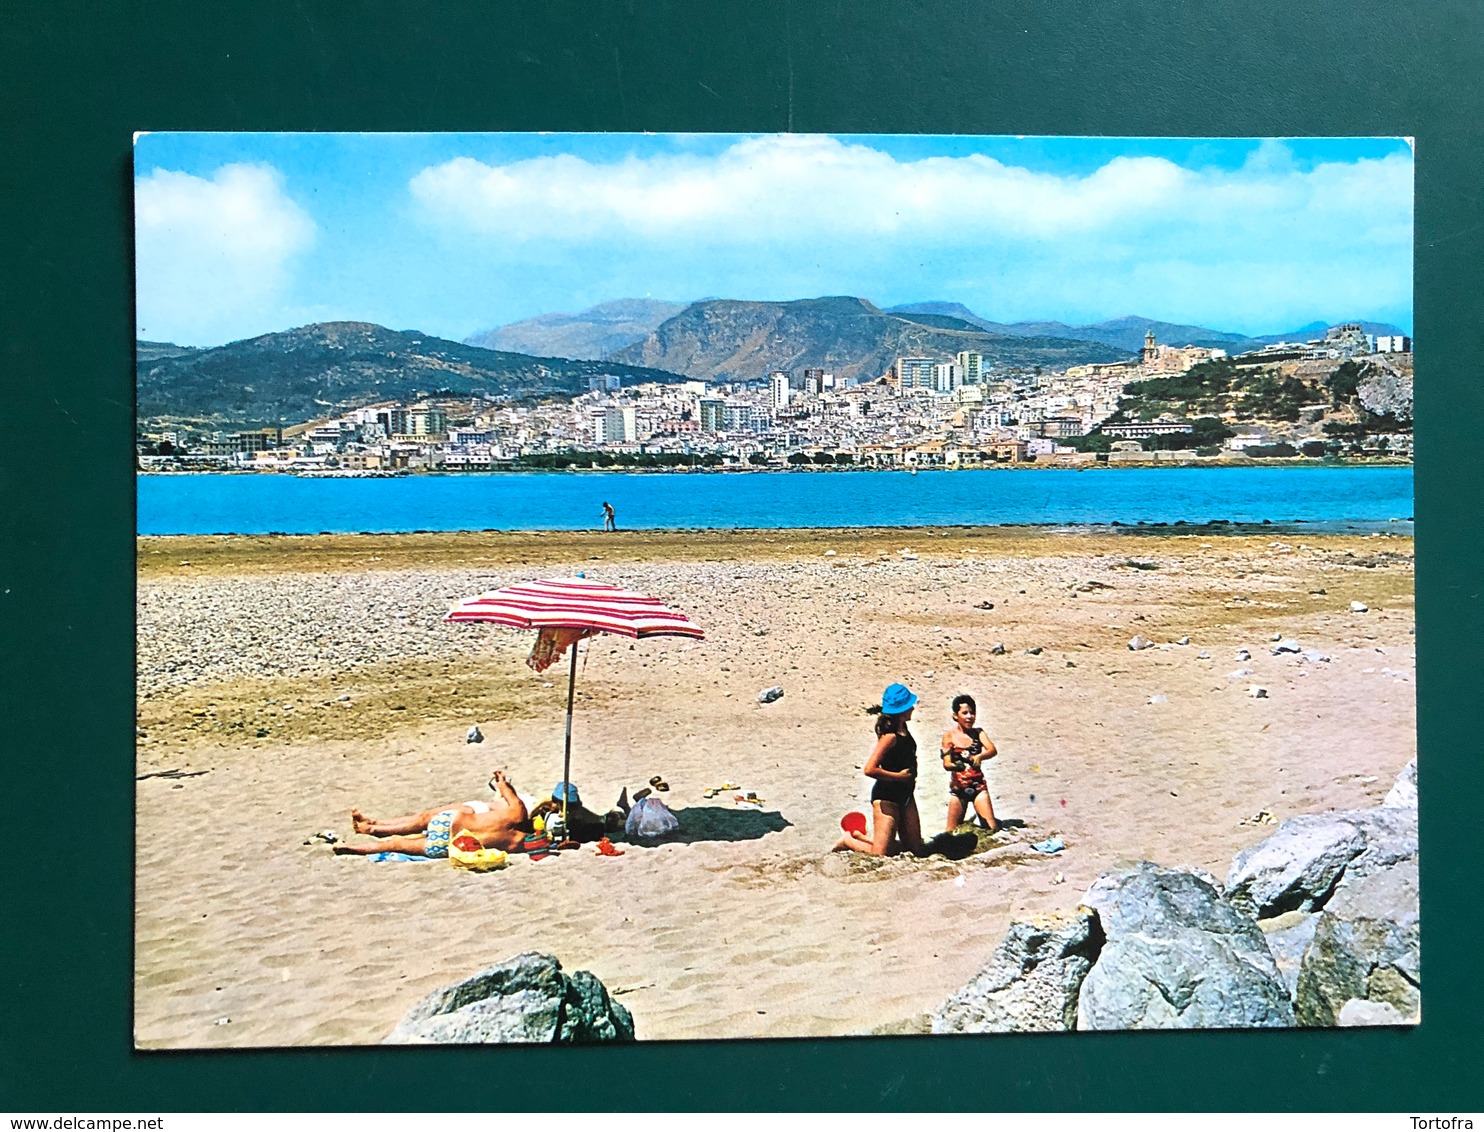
[739,417]
[1393,344]
[778,391]
[616,426]
[945,377]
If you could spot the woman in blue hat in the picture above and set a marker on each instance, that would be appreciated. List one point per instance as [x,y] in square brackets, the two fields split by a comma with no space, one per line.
[895,823]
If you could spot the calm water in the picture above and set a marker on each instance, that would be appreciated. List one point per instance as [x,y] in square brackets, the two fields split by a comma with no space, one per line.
[260,504]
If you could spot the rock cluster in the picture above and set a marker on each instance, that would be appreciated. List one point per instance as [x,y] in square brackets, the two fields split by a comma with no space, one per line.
[1316,926]
[1386,393]
[525,999]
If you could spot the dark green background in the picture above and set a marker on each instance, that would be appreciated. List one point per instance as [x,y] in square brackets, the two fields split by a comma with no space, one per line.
[81,77]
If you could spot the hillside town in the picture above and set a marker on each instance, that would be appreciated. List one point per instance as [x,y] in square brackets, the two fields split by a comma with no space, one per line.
[924,412]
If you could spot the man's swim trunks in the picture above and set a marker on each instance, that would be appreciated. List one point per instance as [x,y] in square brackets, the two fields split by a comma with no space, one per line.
[440,829]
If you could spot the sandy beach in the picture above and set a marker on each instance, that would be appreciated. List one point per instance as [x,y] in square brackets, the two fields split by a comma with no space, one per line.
[290,679]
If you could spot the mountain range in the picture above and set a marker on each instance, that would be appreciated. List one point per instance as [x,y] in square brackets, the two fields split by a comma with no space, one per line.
[1127,333]
[613,330]
[297,375]
[595,333]
[724,339]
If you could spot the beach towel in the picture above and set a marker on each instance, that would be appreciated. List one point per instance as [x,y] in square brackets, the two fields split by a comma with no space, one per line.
[395,857]
[552,644]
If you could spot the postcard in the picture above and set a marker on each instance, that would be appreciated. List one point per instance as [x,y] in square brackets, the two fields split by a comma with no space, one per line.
[619,587]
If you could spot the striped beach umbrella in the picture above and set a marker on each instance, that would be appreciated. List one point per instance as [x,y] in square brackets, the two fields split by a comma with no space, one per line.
[564,612]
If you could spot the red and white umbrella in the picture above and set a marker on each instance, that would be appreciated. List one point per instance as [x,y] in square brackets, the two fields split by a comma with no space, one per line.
[576,603]
[565,611]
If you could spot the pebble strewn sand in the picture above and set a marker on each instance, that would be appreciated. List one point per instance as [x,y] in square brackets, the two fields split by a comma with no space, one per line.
[301,693]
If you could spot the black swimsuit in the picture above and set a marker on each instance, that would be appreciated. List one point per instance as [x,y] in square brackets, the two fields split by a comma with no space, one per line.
[901,755]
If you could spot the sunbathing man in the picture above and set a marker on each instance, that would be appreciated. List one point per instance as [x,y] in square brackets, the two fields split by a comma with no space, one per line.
[500,825]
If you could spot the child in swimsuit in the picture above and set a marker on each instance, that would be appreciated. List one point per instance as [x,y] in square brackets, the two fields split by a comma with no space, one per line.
[965,748]
[893,767]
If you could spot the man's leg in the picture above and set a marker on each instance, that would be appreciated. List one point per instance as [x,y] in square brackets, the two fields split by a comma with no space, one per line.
[389,827]
[413,846]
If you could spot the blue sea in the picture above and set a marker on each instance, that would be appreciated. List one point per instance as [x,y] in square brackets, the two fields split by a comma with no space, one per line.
[1328,497]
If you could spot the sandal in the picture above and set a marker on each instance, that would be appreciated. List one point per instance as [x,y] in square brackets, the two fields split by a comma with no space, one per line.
[659,783]
[640,795]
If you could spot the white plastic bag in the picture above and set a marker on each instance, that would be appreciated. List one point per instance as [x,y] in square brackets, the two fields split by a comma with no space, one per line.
[649,820]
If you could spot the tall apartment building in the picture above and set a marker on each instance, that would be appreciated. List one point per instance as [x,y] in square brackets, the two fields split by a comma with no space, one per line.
[970,367]
[426,420]
[616,426]
[739,417]
[914,373]
[778,390]
[712,415]
[393,421]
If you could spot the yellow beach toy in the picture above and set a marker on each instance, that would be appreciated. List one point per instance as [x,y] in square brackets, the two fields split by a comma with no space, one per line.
[479,860]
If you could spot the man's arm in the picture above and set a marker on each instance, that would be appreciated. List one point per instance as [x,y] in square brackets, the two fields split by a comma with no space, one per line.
[502,786]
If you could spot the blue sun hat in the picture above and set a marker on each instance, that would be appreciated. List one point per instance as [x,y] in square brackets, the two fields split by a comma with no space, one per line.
[565,792]
[896,699]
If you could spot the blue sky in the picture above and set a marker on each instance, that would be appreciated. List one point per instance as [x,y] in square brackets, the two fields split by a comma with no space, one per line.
[450,234]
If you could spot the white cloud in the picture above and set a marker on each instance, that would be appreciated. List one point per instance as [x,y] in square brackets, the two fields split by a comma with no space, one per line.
[1156,236]
[819,185]
[213,254]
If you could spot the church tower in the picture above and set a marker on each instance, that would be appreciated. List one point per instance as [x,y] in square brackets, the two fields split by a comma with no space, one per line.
[1151,350]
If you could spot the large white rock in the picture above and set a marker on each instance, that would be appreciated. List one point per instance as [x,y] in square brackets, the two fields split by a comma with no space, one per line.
[1297,868]
[1030,983]
[1177,955]
[1363,1012]
[1404,792]
[1365,946]
[525,999]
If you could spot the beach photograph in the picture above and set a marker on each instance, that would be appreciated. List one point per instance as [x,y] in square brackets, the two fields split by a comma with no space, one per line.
[644,587]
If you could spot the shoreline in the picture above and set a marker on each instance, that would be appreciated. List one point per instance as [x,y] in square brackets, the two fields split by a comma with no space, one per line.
[186,555]
[1027,465]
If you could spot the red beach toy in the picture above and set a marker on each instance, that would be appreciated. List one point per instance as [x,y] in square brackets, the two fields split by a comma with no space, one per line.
[854,822]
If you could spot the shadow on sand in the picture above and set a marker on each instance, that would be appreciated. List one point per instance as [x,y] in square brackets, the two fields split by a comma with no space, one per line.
[721,823]
[966,840]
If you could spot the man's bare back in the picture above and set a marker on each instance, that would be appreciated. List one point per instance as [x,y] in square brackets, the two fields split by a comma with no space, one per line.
[506,823]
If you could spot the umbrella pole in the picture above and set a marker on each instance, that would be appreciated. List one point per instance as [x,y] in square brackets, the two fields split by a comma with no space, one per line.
[567,754]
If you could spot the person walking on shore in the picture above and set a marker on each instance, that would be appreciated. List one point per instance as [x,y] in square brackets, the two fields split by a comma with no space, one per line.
[610,523]
[965,747]
[895,823]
